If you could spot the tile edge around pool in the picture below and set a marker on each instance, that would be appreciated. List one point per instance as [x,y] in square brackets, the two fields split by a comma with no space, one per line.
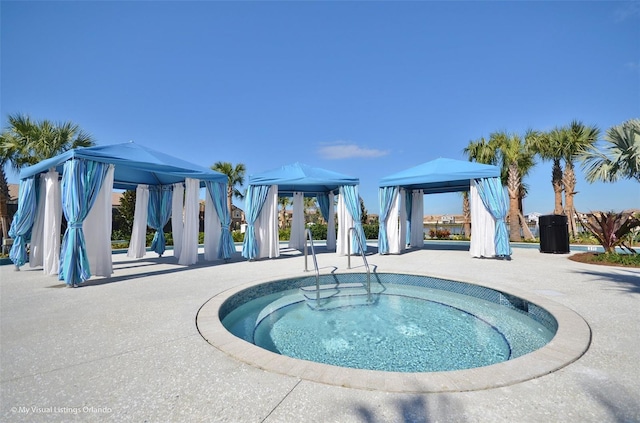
[571,341]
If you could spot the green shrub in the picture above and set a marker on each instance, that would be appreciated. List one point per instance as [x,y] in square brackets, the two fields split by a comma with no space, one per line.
[284,234]
[318,231]
[459,238]
[621,259]
[237,236]
[585,238]
[371,231]
[120,235]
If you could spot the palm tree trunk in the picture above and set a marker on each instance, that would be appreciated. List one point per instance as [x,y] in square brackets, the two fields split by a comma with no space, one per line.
[229,204]
[523,222]
[513,187]
[525,228]
[569,180]
[466,212]
[556,181]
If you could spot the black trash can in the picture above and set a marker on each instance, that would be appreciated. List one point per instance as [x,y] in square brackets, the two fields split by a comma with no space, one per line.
[554,234]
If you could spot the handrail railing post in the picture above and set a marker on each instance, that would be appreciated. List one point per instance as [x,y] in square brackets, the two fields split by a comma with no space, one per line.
[364,258]
[349,247]
[306,253]
[309,238]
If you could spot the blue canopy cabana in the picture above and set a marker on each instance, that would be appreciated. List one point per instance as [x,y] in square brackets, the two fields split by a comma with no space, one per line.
[489,204]
[298,180]
[134,165]
[89,174]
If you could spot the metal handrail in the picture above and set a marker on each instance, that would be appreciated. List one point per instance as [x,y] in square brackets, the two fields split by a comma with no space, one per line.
[309,238]
[364,258]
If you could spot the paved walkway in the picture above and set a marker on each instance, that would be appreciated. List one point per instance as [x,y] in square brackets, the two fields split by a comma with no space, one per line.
[127,348]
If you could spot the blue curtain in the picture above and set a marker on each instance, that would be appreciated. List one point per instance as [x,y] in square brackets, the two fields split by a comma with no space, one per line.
[352,202]
[81,182]
[218,193]
[159,212]
[408,195]
[494,199]
[385,198]
[256,197]
[323,203]
[22,222]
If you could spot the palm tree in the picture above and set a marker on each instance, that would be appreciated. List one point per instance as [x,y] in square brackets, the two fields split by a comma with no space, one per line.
[26,142]
[481,151]
[549,147]
[511,150]
[526,162]
[620,158]
[579,138]
[466,213]
[235,176]
[310,203]
[284,202]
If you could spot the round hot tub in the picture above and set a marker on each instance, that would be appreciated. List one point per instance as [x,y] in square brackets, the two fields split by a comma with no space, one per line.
[442,335]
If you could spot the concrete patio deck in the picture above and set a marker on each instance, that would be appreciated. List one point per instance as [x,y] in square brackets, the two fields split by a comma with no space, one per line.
[127,348]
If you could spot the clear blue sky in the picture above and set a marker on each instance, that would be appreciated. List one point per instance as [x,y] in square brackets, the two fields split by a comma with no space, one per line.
[362,88]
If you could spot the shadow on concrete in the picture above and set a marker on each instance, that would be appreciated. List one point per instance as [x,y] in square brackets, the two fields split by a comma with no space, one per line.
[416,410]
[629,280]
[622,405]
[148,268]
[446,246]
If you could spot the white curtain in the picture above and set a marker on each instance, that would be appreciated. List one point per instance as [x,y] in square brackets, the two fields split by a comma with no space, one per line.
[393,229]
[402,223]
[266,226]
[138,243]
[97,229]
[345,221]
[189,252]
[331,226]
[212,229]
[36,253]
[417,214]
[296,240]
[483,226]
[52,223]
[177,217]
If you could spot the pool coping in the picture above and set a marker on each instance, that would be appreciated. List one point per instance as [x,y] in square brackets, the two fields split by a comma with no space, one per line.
[571,341]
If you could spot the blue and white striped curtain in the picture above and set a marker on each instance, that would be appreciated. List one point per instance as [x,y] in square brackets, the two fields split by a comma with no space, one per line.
[325,202]
[256,196]
[352,201]
[159,212]
[496,202]
[386,197]
[81,182]
[22,222]
[218,193]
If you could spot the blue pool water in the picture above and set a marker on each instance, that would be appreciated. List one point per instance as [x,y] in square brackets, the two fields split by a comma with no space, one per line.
[409,324]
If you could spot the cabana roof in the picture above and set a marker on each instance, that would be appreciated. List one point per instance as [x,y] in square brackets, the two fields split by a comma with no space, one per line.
[299,177]
[134,164]
[441,175]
